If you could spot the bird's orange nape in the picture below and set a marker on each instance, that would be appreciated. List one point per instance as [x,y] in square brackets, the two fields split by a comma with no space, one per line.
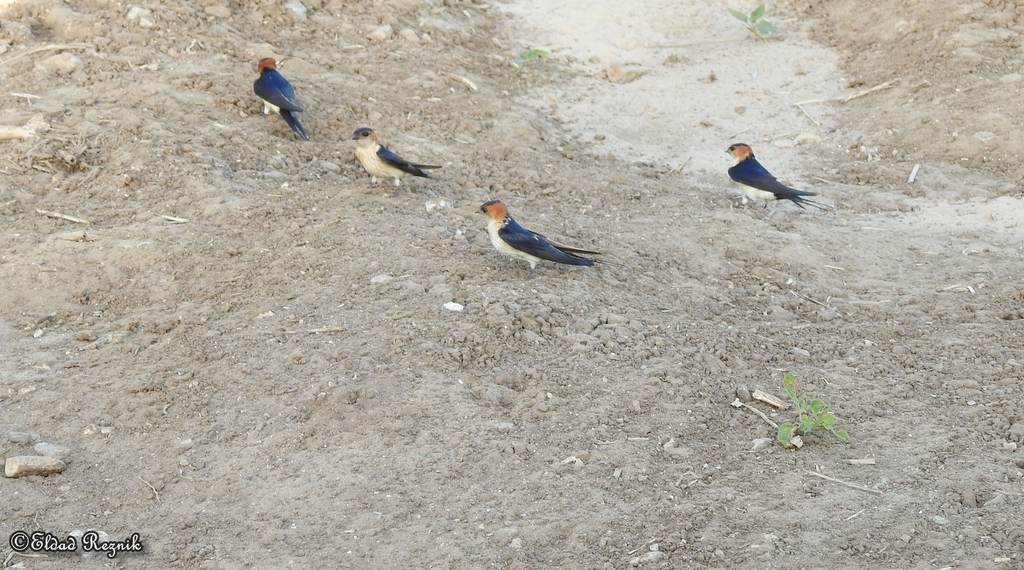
[266,63]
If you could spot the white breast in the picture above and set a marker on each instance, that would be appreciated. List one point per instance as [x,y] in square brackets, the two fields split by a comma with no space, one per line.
[374,166]
[500,245]
[755,194]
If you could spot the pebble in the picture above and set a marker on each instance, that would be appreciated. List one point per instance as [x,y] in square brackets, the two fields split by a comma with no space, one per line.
[762,443]
[441,290]
[650,557]
[451,306]
[382,278]
[61,62]
[807,138]
[516,543]
[743,394]
[996,499]
[328,165]
[219,12]
[969,499]
[23,465]
[144,16]
[940,520]
[22,437]
[409,35]
[136,12]
[380,34]
[51,450]
[297,10]
[534,337]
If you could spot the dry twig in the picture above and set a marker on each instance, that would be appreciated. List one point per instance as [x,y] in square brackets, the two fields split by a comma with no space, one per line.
[50,47]
[472,86]
[321,330]
[880,87]
[151,487]
[799,106]
[841,482]
[769,399]
[61,216]
[738,404]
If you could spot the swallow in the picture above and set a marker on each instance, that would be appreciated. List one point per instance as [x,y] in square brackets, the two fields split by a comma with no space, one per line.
[758,183]
[379,162]
[517,242]
[278,95]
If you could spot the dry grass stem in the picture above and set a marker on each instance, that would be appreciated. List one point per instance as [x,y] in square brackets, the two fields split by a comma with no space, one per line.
[841,482]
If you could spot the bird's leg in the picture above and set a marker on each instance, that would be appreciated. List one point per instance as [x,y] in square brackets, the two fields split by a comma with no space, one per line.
[532,267]
[373,180]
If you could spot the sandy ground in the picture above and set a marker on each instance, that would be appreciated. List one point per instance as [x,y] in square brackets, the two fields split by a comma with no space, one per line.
[245,348]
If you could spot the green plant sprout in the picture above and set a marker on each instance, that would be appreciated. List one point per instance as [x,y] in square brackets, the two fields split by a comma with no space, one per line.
[532,54]
[814,415]
[755,22]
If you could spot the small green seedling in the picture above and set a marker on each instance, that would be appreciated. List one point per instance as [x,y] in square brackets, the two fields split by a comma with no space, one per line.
[755,22]
[814,415]
[532,54]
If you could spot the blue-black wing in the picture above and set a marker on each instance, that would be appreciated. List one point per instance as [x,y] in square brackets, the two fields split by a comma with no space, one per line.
[292,118]
[273,88]
[536,245]
[749,172]
[402,164]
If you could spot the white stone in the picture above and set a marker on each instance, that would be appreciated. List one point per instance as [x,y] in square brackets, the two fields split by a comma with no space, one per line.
[409,35]
[136,12]
[380,34]
[297,10]
[433,205]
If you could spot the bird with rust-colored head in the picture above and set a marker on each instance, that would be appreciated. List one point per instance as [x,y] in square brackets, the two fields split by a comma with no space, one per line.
[379,162]
[278,95]
[517,242]
[759,184]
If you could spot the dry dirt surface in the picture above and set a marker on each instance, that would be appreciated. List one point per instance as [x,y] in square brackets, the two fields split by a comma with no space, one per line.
[245,349]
